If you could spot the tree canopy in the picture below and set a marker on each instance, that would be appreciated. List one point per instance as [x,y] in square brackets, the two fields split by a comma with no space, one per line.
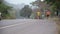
[4,8]
[26,11]
[56,3]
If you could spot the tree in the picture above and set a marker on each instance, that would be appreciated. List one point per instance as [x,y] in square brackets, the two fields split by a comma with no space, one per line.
[26,11]
[55,4]
[4,8]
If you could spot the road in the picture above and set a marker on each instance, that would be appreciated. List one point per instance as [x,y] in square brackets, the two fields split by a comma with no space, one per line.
[27,26]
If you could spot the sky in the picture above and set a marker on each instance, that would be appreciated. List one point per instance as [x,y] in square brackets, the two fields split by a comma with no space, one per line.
[20,1]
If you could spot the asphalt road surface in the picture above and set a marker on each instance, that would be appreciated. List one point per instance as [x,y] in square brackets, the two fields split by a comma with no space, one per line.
[27,26]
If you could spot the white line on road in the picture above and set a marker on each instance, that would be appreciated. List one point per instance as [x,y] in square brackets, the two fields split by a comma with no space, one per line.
[11,25]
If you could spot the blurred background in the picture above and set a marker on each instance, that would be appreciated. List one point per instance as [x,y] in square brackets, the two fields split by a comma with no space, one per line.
[29,16]
[29,9]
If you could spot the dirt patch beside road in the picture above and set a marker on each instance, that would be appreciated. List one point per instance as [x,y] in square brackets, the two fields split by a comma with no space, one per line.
[57,20]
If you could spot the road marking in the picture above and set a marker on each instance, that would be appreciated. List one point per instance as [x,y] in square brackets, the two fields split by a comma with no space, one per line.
[11,25]
[15,24]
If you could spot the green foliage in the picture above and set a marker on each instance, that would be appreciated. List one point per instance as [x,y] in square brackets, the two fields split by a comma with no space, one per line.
[26,11]
[52,2]
[4,9]
[55,5]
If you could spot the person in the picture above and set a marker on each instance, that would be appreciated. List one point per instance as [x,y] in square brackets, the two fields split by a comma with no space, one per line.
[48,14]
[0,15]
[38,15]
[43,15]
